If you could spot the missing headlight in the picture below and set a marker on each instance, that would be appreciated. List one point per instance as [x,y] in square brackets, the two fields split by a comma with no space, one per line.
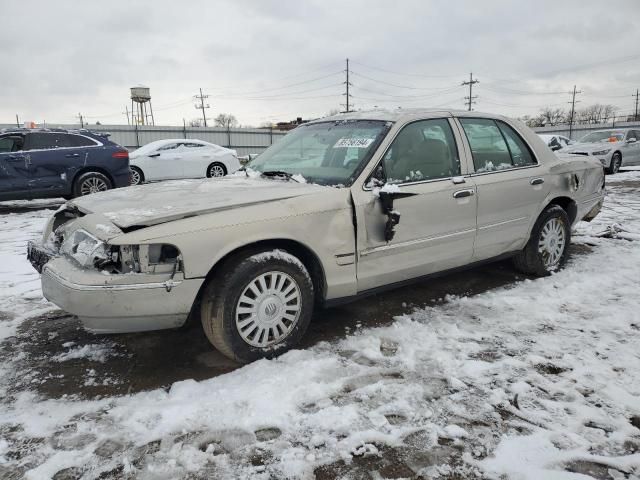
[155,258]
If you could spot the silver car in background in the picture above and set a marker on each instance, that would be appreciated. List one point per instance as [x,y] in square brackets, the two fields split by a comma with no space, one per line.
[613,148]
[340,208]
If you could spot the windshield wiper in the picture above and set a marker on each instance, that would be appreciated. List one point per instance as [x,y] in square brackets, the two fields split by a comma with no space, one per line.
[278,173]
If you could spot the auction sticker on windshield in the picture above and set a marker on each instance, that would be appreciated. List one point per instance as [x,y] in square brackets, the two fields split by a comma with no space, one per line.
[353,142]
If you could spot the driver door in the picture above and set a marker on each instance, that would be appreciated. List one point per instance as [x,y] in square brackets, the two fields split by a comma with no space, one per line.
[437,224]
[167,162]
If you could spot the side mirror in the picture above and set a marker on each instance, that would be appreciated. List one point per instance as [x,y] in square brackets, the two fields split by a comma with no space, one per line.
[632,140]
[556,147]
[393,218]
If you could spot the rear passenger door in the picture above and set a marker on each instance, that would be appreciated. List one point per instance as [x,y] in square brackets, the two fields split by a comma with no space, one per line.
[196,157]
[53,161]
[511,185]
[14,167]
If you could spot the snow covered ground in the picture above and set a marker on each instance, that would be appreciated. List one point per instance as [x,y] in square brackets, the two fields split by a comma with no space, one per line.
[536,380]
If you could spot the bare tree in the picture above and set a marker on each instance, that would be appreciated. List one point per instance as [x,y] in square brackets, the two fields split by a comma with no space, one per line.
[596,113]
[532,121]
[552,116]
[226,120]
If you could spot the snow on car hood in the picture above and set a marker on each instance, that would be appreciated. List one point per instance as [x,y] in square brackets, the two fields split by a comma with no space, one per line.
[155,203]
[591,147]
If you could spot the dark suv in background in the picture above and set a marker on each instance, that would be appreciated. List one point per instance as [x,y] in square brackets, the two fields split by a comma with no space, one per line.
[38,163]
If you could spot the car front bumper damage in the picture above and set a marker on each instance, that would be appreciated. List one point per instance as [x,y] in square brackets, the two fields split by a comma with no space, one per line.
[115,303]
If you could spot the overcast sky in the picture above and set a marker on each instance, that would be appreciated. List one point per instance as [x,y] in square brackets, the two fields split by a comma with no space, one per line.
[276,60]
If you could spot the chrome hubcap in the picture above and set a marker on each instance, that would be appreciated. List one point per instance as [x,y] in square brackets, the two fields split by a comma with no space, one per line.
[135,177]
[268,309]
[216,171]
[552,242]
[93,185]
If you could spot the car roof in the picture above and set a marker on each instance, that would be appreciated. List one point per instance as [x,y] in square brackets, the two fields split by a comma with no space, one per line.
[404,114]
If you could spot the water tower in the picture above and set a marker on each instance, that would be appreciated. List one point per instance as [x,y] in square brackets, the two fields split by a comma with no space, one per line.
[140,100]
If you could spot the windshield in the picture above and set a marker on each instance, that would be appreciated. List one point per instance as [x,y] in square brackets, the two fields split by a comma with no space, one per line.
[328,153]
[603,136]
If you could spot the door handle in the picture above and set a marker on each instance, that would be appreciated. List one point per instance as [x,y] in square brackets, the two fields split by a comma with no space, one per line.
[537,181]
[70,155]
[153,155]
[463,193]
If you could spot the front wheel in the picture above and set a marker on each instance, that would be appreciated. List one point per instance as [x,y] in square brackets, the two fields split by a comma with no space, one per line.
[616,163]
[258,306]
[547,248]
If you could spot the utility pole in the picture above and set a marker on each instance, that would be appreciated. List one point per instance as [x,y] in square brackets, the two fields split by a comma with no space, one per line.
[17,121]
[470,99]
[573,108]
[81,120]
[126,111]
[347,94]
[635,116]
[202,106]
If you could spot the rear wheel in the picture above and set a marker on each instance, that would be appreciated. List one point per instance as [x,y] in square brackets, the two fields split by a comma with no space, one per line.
[258,305]
[616,163]
[137,177]
[91,182]
[216,169]
[547,248]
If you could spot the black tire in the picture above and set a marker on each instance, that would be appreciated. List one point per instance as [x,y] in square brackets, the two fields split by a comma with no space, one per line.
[221,297]
[81,185]
[140,176]
[616,163]
[530,260]
[215,169]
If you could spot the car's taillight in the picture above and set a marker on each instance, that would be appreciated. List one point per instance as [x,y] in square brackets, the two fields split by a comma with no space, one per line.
[120,154]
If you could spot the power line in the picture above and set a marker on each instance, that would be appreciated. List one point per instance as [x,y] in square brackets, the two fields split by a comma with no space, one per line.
[411,87]
[202,106]
[284,86]
[402,74]
[470,99]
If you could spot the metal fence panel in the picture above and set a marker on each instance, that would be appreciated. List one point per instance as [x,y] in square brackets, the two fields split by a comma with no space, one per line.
[243,140]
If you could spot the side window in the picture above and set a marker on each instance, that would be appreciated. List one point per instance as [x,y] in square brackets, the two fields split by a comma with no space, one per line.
[171,146]
[521,156]
[193,145]
[423,150]
[11,144]
[80,141]
[488,147]
[40,141]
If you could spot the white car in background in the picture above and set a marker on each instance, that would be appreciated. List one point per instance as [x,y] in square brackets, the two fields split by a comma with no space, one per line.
[555,142]
[181,158]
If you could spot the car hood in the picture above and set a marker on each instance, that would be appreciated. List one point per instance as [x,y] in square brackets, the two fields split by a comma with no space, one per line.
[152,204]
[590,147]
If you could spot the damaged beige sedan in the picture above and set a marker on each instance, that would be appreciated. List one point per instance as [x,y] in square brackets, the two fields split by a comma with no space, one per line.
[339,208]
